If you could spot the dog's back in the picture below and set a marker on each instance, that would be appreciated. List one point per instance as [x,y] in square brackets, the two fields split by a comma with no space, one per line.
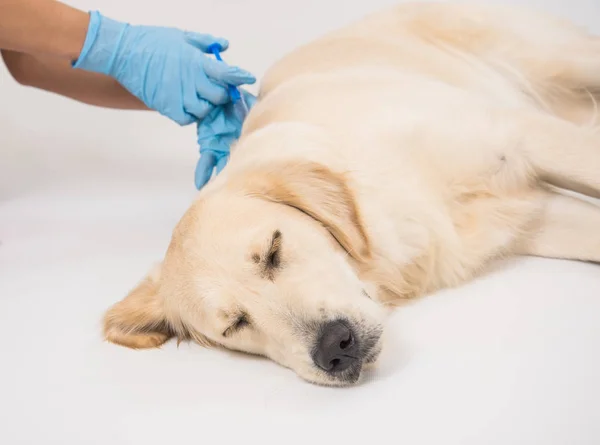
[474,47]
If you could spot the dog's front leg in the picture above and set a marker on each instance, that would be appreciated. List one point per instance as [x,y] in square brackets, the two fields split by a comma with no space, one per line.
[561,153]
[567,228]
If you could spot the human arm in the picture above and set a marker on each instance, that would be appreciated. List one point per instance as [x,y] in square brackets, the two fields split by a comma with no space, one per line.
[165,68]
[57,76]
[43,27]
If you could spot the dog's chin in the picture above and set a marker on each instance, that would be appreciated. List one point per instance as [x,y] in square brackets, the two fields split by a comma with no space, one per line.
[348,377]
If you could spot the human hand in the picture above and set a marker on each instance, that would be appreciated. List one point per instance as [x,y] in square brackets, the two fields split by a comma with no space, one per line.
[166,68]
[216,133]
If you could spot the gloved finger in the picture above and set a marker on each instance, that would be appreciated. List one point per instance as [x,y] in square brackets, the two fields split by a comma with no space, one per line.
[204,168]
[238,77]
[214,93]
[222,162]
[195,106]
[203,41]
[182,119]
[223,73]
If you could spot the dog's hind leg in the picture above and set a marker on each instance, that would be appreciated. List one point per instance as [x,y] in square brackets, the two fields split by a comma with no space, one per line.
[561,74]
[567,79]
[567,228]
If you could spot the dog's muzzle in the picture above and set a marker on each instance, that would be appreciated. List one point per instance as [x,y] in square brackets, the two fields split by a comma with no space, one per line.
[341,349]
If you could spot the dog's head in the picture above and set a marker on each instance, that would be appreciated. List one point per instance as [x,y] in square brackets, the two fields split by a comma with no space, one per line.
[265,264]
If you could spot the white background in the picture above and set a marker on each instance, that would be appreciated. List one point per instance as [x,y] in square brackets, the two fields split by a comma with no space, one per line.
[88,199]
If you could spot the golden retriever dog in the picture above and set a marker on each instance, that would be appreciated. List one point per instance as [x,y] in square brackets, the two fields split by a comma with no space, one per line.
[386,160]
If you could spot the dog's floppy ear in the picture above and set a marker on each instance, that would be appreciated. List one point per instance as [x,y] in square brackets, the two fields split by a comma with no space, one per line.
[318,192]
[138,321]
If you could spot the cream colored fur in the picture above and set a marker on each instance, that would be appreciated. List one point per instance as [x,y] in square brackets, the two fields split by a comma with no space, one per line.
[397,156]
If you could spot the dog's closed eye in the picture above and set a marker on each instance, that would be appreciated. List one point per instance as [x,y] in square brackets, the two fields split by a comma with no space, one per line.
[270,260]
[240,323]
[273,257]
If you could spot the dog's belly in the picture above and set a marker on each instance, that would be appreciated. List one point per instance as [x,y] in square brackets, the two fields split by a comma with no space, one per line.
[429,235]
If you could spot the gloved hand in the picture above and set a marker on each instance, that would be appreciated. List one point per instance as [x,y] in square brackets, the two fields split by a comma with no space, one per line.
[164,67]
[216,132]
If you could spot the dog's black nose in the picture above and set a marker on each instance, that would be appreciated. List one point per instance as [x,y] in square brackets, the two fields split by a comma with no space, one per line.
[336,348]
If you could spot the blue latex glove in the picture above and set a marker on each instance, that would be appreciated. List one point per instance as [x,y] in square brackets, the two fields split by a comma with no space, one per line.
[216,132]
[164,67]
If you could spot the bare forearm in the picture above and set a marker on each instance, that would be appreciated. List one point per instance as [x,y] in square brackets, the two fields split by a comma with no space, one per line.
[42,27]
[56,75]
